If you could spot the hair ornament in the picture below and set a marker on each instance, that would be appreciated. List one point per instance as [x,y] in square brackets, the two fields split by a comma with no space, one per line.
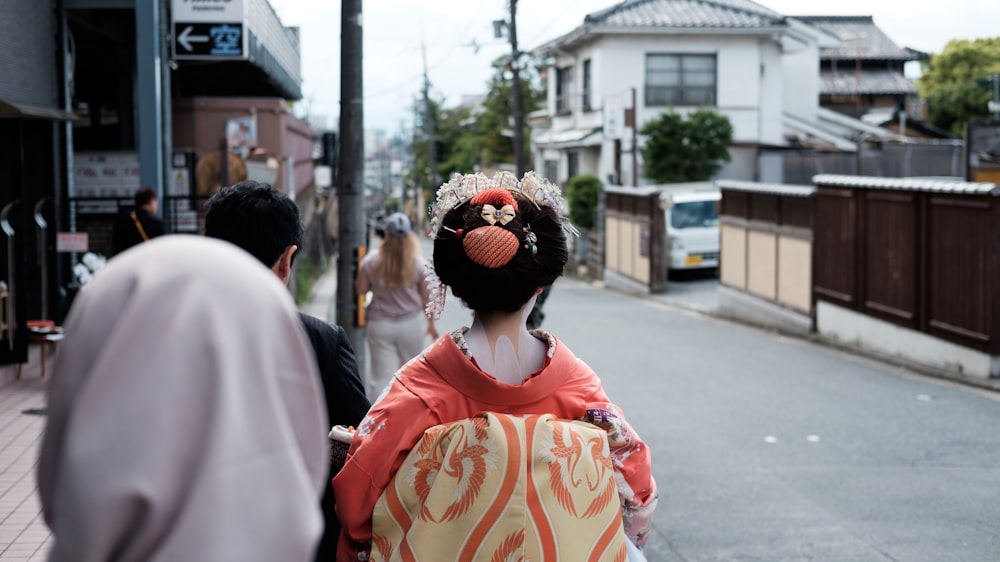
[437,290]
[458,233]
[463,188]
[530,240]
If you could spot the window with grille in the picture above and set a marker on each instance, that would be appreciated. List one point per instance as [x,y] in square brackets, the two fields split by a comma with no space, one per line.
[564,89]
[551,168]
[586,85]
[680,79]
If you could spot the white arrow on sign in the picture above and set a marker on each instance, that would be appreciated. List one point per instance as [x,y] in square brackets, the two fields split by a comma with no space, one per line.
[185,38]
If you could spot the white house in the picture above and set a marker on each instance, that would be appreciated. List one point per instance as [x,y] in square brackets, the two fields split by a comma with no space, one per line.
[757,67]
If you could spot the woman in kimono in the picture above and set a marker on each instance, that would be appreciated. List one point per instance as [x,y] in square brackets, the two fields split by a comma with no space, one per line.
[495,442]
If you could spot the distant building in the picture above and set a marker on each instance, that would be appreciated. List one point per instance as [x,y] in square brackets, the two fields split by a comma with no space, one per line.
[863,73]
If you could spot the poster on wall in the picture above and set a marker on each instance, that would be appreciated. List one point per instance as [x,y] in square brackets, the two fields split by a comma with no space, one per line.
[241,135]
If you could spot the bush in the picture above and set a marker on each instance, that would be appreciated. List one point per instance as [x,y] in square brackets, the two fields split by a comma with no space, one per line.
[582,195]
[691,148]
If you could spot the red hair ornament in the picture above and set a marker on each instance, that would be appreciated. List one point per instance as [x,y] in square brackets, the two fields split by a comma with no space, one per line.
[492,247]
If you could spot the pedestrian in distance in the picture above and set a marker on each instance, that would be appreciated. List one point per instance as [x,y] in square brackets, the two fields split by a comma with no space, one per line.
[184,418]
[139,224]
[496,442]
[265,222]
[397,328]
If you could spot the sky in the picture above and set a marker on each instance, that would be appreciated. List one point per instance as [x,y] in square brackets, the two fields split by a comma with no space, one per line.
[455,38]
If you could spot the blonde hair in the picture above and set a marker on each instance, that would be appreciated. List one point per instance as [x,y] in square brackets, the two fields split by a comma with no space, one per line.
[393,267]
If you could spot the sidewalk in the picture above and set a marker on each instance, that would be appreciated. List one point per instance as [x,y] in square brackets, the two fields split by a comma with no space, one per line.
[23,534]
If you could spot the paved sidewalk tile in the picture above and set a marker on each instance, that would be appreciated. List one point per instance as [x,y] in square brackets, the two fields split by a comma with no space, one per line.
[23,534]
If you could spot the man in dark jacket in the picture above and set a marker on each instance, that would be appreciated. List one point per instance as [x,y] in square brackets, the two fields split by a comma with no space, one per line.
[266,223]
[139,224]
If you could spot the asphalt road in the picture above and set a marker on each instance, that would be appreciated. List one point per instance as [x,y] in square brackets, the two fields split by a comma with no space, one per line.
[770,448]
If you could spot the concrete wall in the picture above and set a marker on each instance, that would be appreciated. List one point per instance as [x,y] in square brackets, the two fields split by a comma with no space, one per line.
[622,239]
[770,265]
[762,260]
[27,52]
[199,124]
[901,344]
[795,273]
[733,256]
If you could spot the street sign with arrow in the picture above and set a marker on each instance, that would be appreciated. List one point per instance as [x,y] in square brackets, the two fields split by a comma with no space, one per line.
[209,41]
[209,29]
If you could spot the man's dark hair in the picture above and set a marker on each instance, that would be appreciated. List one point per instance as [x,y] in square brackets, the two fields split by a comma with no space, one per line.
[256,217]
[505,288]
[144,196]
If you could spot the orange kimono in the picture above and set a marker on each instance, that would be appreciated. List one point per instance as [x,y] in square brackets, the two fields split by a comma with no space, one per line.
[444,385]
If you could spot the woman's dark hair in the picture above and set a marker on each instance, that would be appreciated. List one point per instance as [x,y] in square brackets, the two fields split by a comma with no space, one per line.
[508,287]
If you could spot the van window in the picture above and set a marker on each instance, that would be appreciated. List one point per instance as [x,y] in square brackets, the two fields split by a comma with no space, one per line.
[696,214]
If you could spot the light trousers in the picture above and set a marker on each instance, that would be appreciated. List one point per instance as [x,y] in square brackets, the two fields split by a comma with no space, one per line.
[391,343]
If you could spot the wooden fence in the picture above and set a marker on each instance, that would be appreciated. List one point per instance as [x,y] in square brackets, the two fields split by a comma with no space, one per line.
[924,255]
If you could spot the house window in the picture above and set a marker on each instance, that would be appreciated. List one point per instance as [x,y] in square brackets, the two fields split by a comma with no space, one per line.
[572,164]
[564,89]
[680,79]
[552,169]
[586,85]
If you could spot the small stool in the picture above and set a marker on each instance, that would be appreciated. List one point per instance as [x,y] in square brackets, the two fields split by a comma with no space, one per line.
[44,332]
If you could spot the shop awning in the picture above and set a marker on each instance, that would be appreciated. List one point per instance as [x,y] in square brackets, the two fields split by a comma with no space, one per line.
[16,110]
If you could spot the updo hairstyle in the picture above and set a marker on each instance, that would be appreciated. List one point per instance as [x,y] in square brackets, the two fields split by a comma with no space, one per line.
[508,287]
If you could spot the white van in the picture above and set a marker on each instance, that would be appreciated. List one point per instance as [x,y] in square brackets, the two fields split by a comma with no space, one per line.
[692,220]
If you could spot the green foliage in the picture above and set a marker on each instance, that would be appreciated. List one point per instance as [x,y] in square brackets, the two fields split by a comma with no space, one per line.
[494,123]
[306,274]
[469,138]
[691,148]
[957,83]
[582,194]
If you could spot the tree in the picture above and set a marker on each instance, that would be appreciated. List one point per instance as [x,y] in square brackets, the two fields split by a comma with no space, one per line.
[958,83]
[679,148]
[582,195]
[467,138]
[494,123]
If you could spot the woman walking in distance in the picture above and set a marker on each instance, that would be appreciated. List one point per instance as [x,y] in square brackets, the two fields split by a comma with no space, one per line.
[395,274]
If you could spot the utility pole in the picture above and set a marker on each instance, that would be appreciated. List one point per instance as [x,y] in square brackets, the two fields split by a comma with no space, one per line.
[996,97]
[350,179]
[428,134]
[515,69]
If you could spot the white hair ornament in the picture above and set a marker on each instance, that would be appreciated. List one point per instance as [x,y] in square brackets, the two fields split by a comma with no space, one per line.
[462,188]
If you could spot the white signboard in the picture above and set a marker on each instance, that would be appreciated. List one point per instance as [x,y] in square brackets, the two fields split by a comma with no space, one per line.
[614,118]
[207,11]
[105,174]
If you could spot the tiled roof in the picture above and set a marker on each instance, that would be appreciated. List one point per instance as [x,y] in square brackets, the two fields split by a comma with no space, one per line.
[903,184]
[738,14]
[859,38]
[845,83]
